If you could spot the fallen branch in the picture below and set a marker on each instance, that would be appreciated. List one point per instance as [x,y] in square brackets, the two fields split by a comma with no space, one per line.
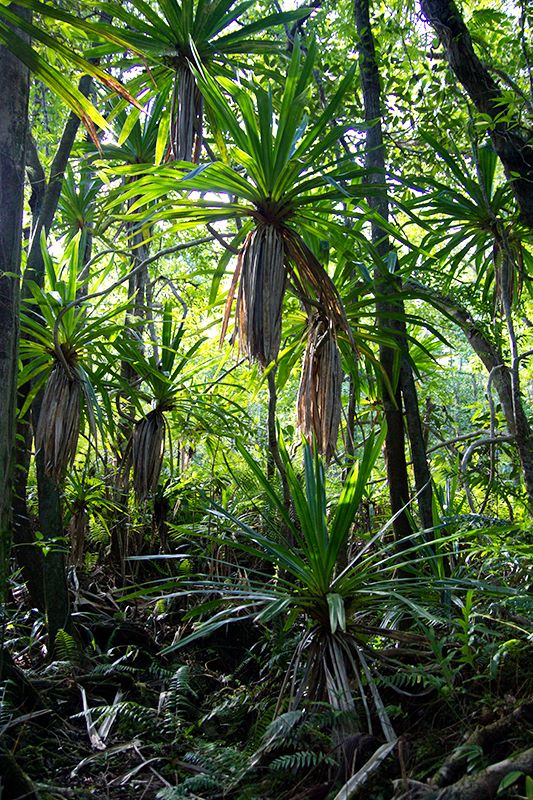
[481,786]
[455,765]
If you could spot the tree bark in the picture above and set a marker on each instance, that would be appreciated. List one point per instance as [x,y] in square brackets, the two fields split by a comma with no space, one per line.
[511,142]
[417,444]
[14,88]
[491,357]
[56,596]
[480,786]
[401,388]
[44,199]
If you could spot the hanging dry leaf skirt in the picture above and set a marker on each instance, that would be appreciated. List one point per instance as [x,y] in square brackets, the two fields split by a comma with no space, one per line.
[319,395]
[78,529]
[260,297]
[148,447]
[59,421]
[186,116]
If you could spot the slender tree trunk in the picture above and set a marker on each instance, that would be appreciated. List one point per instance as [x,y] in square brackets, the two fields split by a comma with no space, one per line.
[418,444]
[513,143]
[28,556]
[56,596]
[137,290]
[401,389]
[501,377]
[14,88]
[43,203]
[274,456]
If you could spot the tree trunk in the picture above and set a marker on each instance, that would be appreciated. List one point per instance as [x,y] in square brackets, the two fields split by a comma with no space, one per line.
[511,142]
[44,200]
[56,596]
[489,354]
[400,389]
[418,446]
[135,317]
[14,87]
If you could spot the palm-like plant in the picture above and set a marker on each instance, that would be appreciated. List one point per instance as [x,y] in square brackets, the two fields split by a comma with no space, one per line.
[138,139]
[163,380]
[283,199]
[172,33]
[281,194]
[473,221]
[170,384]
[87,499]
[337,609]
[59,341]
[77,205]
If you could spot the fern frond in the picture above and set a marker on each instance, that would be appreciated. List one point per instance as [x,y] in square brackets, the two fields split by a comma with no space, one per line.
[190,788]
[279,731]
[66,648]
[304,759]
[140,715]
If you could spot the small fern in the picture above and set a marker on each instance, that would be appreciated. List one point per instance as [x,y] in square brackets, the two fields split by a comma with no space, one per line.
[280,732]
[66,648]
[115,668]
[304,759]
[6,705]
[142,717]
[232,710]
[178,704]
[190,787]
[411,678]
[223,768]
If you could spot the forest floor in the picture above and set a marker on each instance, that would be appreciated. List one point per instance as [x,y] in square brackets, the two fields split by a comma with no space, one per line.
[115,719]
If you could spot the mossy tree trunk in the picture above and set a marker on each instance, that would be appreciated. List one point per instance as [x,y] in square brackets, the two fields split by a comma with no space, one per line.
[14,88]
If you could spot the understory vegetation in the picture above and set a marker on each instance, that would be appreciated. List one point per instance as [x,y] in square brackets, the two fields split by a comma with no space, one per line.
[266,400]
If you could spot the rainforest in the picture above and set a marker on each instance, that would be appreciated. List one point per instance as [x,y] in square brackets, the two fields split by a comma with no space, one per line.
[266,399]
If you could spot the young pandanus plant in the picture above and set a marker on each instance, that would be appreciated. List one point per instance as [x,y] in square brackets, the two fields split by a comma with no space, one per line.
[60,341]
[171,34]
[331,608]
[281,196]
[164,379]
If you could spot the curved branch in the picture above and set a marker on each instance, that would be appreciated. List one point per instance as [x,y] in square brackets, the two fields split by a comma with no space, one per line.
[165,252]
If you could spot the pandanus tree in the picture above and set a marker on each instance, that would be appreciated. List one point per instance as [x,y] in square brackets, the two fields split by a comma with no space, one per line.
[60,345]
[169,380]
[284,191]
[18,58]
[334,611]
[65,351]
[172,34]
[165,381]
[472,218]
